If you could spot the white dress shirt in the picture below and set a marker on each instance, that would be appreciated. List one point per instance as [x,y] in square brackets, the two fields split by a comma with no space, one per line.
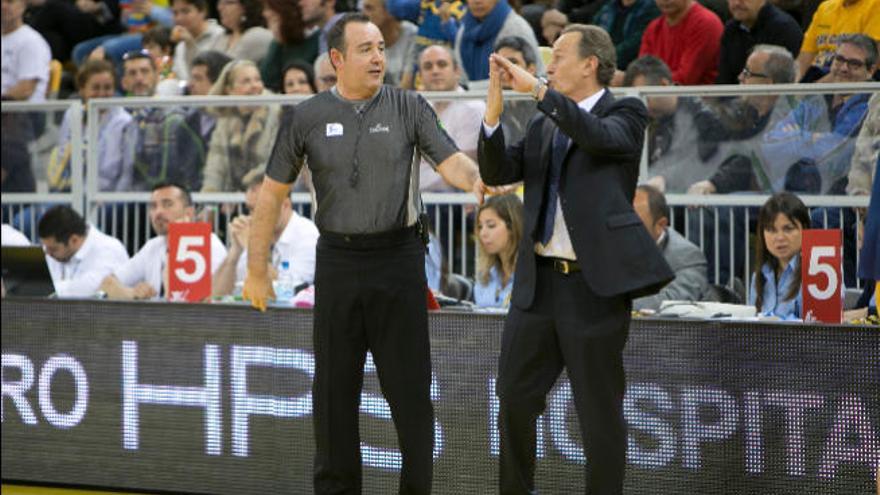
[148,264]
[296,245]
[11,237]
[559,245]
[81,275]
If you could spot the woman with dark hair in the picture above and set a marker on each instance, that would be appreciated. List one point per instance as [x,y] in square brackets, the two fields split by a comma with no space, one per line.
[499,230]
[246,37]
[289,43]
[298,78]
[776,283]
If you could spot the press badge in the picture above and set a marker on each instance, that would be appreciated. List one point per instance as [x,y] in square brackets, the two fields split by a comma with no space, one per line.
[334,129]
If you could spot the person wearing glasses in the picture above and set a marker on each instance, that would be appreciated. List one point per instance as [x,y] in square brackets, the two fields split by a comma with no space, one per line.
[325,74]
[738,126]
[819,133]
[746,117]
[833,19]
[754,22]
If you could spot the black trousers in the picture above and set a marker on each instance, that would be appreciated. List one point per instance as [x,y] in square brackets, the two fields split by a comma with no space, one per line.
[567,326]
[370,295]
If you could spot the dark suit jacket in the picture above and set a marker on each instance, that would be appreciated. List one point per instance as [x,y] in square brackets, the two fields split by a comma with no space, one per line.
[599,175]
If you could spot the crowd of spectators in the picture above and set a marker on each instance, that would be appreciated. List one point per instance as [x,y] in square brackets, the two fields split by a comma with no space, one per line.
[242,48]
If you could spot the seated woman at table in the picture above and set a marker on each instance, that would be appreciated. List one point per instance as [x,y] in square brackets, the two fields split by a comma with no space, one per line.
[499,230]
[776,283]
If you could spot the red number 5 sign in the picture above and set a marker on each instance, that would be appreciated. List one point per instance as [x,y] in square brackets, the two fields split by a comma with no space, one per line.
[821,281]
[189,261]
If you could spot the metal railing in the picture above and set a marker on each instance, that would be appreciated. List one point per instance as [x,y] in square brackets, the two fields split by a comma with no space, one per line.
[123,214]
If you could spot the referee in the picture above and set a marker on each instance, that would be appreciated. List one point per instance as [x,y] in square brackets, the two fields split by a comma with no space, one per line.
[363,142]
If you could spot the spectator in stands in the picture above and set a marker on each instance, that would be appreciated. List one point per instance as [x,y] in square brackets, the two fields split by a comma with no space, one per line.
[25,65]
[805,143]
[518,112]
[319,15]
[687,37]
[79,256]
[743,120]
[399,36]
[776,282]
[461,118]
[136,17]
[193,32]
[580,11]
[554,21]
[626,21]
[145,275]
[299,79]
[685,258]
[157,41]
[158,144]
[204,71]
[754,22]
[206,68]
[16,175]
[95,79]
[675,150]
[246,37]
[499,230]
[285,21]
[64,24]
[244,135]
[11,237]
[325,74]
[833,19]
[438,22]
[738,125]
[485,22]
[863,170]
[294,240]
[26,56]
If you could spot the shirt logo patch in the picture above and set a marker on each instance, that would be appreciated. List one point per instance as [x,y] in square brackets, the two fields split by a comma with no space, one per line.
[379,128]
[334,129]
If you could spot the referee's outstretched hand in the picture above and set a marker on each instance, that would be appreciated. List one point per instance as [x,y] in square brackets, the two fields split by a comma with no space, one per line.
[258,290]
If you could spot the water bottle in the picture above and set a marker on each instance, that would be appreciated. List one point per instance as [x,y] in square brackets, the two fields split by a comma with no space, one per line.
[284,286]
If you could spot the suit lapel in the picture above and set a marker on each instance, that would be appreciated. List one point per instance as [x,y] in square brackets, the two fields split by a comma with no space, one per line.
[598,109]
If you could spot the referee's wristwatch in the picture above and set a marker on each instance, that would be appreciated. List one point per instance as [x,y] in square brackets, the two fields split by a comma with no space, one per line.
[539,84]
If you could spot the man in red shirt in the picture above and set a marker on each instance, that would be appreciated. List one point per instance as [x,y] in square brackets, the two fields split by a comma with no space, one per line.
[687,37]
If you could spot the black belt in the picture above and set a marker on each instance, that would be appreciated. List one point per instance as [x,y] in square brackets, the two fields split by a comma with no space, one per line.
[371,240]
[560,265]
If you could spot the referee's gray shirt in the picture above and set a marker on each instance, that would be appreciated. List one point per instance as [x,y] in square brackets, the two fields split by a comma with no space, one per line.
[363,156]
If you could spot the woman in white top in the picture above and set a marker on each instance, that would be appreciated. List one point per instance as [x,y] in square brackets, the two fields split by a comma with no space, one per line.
[246,37]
